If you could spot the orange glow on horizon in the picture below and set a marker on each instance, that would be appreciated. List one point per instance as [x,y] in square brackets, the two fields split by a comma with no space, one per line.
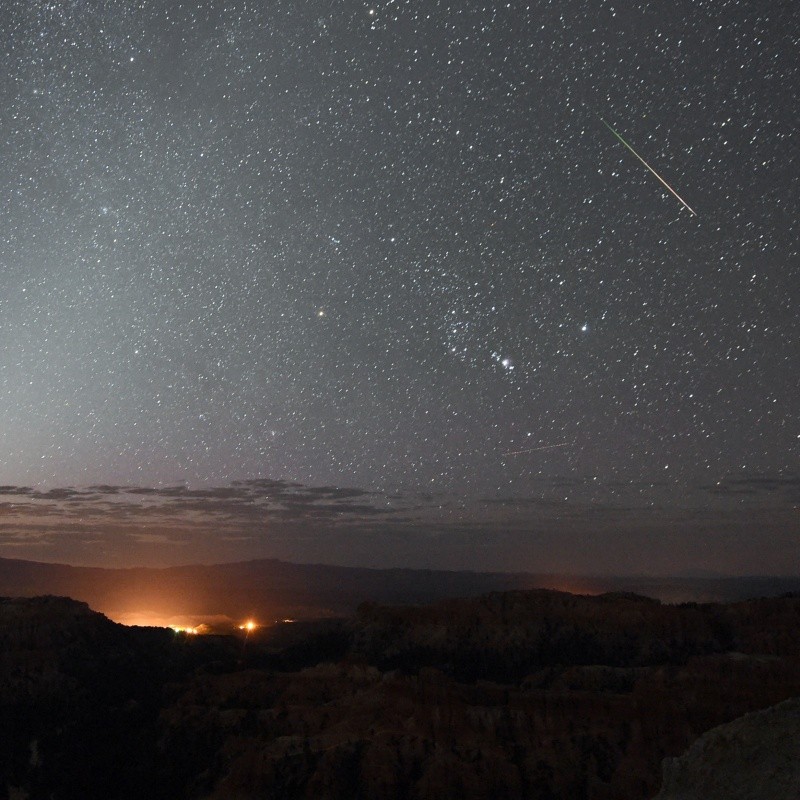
[248,626]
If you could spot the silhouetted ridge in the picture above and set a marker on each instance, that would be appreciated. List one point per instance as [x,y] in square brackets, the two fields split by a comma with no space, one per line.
[274,589]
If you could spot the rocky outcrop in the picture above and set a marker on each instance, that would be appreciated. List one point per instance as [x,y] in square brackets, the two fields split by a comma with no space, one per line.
[516,695]
[79,700]
[536,695]
[352,730]
[506,635]
[757,755]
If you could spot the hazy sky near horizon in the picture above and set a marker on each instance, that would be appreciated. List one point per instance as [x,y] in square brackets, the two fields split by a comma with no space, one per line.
[743,526]
[397,246]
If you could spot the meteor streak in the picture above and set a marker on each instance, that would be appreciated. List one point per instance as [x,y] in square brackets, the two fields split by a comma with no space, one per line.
[534,449]
[683,202]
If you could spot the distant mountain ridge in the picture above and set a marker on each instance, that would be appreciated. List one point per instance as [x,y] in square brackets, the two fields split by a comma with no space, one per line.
[273,589]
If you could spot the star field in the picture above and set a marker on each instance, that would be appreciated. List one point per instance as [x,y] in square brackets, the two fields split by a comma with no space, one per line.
[393,246]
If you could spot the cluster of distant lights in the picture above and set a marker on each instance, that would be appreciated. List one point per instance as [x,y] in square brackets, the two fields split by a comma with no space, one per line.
[194,630]
[181,629]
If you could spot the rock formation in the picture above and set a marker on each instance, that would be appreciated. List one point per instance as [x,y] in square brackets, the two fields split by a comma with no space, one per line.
[538,695]
[757,755]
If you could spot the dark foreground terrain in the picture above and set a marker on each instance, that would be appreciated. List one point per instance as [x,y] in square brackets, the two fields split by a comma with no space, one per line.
[527,694]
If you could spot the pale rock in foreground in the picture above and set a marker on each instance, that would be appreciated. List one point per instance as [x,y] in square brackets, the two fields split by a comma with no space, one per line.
[755,756]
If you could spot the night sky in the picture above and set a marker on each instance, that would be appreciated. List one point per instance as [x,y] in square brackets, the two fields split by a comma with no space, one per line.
[396,248]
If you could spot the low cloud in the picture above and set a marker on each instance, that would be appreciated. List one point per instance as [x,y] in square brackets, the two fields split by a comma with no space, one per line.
[746,523]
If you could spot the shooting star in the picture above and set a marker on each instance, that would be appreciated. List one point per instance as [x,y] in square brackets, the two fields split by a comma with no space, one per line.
[534,449]
[683,202]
